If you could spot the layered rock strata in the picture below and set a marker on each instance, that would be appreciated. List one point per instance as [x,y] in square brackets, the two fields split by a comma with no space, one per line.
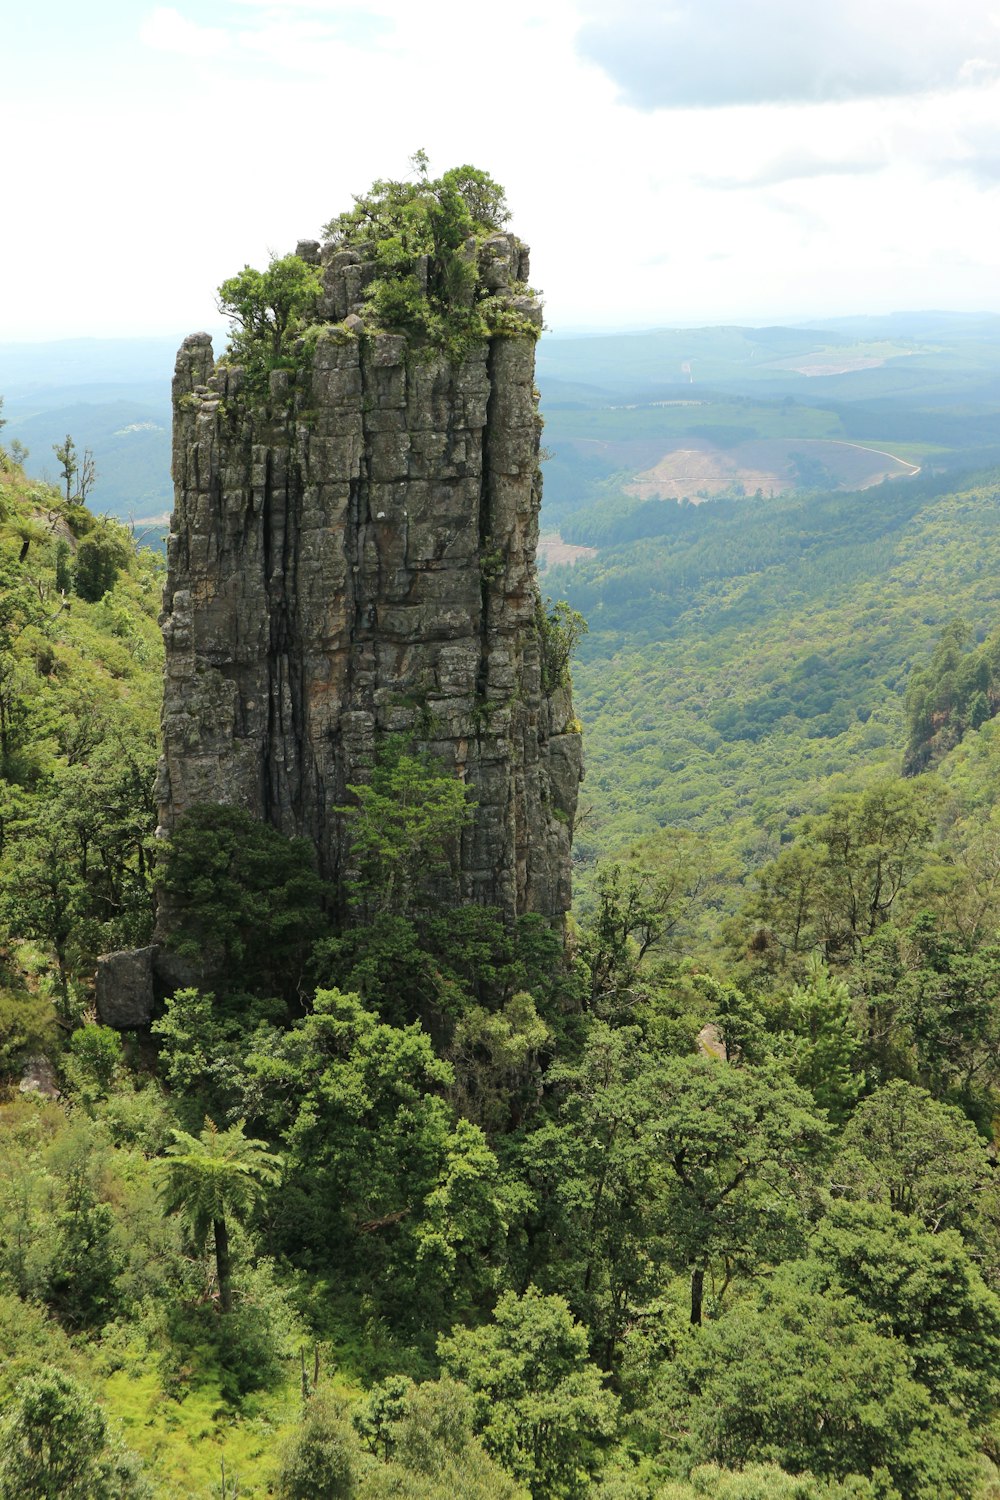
[355,558]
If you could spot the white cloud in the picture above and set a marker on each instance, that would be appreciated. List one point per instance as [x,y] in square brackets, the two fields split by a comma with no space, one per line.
[166,30]
[708,53]
[796,166]
[249,123]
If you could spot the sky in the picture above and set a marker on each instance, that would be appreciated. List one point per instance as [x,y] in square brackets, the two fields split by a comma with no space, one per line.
[670,162]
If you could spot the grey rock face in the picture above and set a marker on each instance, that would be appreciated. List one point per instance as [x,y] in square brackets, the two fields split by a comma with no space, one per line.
[354,558]
[125,988]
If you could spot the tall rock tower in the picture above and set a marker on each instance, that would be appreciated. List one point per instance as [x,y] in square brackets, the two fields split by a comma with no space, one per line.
[352,556]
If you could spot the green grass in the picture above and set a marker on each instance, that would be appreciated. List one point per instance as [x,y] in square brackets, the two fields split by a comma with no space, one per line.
[184,1441]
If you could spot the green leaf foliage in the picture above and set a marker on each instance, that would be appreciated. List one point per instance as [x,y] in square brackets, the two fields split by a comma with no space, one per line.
[423,237]
[404,827]
[269,309]
[55,1445]
[802,1379]
[538,1402]
[248,902]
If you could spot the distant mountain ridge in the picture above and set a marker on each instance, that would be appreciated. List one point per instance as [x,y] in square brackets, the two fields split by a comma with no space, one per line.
[113,397]
[899,380]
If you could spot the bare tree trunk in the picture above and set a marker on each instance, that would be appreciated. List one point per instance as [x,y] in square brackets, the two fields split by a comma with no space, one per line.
[222,1264]
[697,1294]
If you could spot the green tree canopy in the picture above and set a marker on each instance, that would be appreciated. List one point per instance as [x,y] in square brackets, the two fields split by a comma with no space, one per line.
[423,236]
[55,1445]
[923,1158]
[404,826]
[801,1380]
[248,902]
[737,1145]
[539,1404]
[269,309]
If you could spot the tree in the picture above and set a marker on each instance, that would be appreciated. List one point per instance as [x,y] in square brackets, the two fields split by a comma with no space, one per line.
[595,1221]
[960,883]
[560,630]
[821,1041]
[871,844]
[837,884]
[495,1055]
[212,1178]
[64,574]
[399,207]
[54,1445]
[100,558]
[784,909]
[42,893]
[404,826]
[86,1259]
[647,902]
[538,1403]
[738,1145]
[920,1288]
[86,478]
[924,1159]
[268,309]
[76,874]
[950,694]
[65,452]
[950,1006]
[380,1175]
[803,1379]
[423,1440]
[244,900]
[320,1460]
[764,1482]
[423,237]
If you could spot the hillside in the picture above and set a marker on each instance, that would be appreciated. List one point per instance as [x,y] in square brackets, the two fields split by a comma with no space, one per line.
[401,1194]
[113,397]
[747,658]
[80,665]
[696,413]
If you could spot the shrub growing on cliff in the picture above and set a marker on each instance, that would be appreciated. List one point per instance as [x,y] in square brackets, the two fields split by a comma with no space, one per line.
[269,309]
[405,827]
[424,237]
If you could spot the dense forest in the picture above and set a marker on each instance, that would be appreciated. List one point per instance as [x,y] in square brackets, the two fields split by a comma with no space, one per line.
[702,1206]
[695,1200]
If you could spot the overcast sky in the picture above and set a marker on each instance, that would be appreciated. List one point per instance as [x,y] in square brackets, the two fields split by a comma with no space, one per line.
[669,161]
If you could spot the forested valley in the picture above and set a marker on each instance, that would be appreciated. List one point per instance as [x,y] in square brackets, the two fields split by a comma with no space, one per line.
[696,1199]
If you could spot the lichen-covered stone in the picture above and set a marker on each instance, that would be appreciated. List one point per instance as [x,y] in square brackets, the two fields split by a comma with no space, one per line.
[355,559]
[39,1077]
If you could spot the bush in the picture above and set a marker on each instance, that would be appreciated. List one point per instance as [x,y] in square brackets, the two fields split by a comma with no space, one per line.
[27,1025]
[320,1460]
[244,899]
[54,1445]
[100,557]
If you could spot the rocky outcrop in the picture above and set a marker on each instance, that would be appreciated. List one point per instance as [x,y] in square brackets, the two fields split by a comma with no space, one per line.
[353,557]
[125,988]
